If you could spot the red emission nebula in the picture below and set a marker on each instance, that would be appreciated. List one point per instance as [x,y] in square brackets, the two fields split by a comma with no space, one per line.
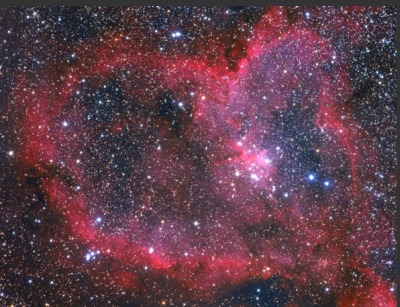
[183,178]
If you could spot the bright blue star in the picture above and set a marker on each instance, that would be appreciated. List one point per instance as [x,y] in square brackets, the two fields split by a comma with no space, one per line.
[177,34]
[311,177]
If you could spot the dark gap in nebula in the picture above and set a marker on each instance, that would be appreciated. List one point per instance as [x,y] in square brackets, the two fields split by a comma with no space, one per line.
[272,292]
[172,113]
[292,14]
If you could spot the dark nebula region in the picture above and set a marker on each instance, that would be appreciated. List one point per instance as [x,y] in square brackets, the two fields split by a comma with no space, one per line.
[189,156]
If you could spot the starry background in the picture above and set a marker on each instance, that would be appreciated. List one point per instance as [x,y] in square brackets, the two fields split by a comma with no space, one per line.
[198,156]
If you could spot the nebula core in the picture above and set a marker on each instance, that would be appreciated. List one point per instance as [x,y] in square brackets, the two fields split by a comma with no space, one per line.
[223,156]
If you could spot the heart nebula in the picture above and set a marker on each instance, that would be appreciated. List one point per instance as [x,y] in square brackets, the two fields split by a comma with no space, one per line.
[175,173]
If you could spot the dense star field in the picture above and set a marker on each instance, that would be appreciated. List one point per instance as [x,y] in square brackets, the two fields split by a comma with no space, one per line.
[198,156]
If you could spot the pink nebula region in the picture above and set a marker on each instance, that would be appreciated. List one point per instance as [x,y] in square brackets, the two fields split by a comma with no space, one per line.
[177,177]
